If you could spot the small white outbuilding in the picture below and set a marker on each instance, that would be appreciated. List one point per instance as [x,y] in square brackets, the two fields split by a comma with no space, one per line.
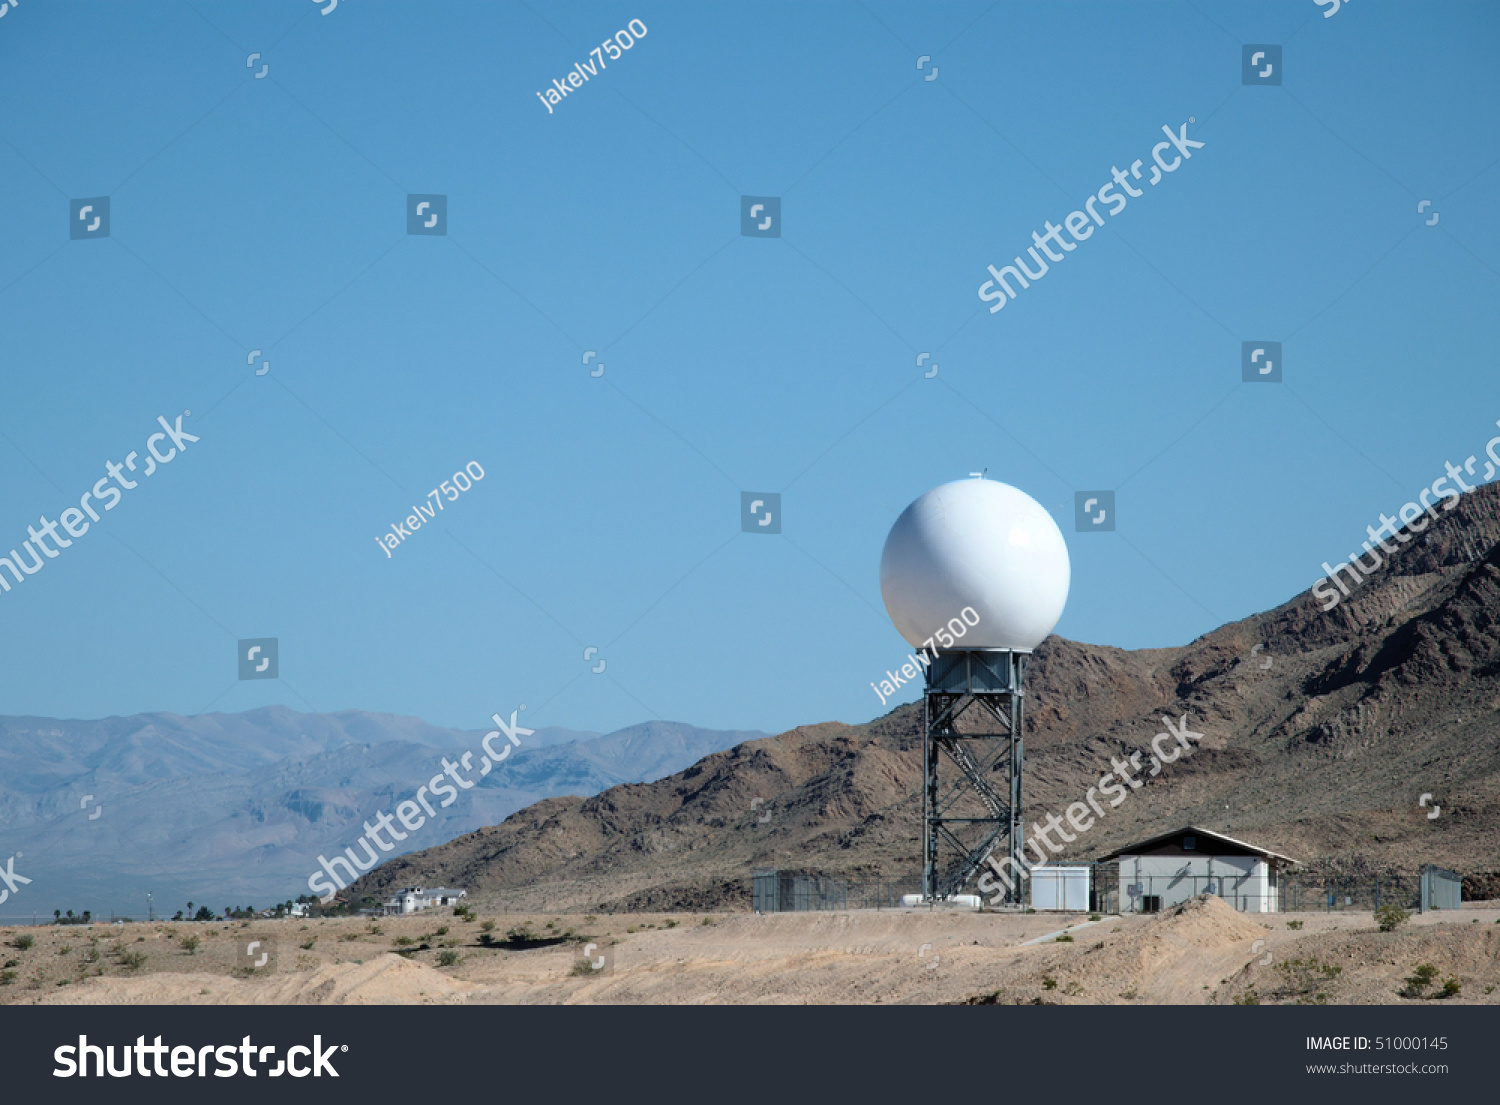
[1063,887]
[1166,870]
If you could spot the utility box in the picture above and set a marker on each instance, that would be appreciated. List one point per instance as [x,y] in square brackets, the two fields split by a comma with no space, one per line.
[1060,888]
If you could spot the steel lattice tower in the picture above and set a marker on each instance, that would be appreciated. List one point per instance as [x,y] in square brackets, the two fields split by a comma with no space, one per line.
[973,754]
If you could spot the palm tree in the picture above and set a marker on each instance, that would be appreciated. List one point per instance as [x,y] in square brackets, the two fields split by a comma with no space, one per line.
[57,913]
[190,911]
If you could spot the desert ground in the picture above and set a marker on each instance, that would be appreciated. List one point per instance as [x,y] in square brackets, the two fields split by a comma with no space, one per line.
[1199,953]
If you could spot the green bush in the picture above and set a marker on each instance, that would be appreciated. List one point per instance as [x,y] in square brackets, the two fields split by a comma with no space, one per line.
[1301,979]
[1049,983]
[1422,976]
[1388,917]
[1065,938]
[447,958]
[1294,925]
[190,944]
[1451,987]
[23,941]
[133,960]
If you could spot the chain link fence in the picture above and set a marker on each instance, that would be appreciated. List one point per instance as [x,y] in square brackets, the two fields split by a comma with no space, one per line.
[773,891]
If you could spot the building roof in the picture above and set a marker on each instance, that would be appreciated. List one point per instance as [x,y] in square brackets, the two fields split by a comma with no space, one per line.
[430,892]
[1208,834]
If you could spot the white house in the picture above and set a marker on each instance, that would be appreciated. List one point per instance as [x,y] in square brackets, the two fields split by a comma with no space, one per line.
[1168,869]
[414,899]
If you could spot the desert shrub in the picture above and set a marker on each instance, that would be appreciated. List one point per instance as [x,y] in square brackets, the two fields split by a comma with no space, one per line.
[1301,978]
[1095,917]
[447,958]
[1073,989]
[1423,975]
[190,944]
[442,931]
[1451,987]
[133,961]
[7,977]
[307,944]
[403,941]
[1049,983]
[1249,997]
[1129,994]
[1294,925]
[1388,917]
[1065,938]
[23,941]
[582,967]
[349,936]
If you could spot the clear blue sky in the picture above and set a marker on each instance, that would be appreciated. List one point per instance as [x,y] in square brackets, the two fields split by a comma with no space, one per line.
[270,214]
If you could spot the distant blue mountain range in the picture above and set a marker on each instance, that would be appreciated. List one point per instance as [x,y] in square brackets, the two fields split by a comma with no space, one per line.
[234,809]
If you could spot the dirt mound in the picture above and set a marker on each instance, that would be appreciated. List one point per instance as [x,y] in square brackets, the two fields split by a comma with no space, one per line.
[386,980]
[1205,922]
[1161,959]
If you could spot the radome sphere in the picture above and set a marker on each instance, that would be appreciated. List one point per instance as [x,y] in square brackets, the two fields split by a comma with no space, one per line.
[982,544]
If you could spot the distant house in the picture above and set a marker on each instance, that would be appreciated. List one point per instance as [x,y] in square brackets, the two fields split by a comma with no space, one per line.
[1168,869]
[414,899]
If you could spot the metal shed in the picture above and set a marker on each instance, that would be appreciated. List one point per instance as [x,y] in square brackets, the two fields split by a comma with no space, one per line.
[1441,888]
[1060,888]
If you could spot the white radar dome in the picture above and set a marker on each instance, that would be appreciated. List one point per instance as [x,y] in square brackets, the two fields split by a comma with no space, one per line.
[982,546]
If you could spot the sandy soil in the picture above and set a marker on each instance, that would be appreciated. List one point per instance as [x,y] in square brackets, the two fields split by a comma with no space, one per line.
[1203,953]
